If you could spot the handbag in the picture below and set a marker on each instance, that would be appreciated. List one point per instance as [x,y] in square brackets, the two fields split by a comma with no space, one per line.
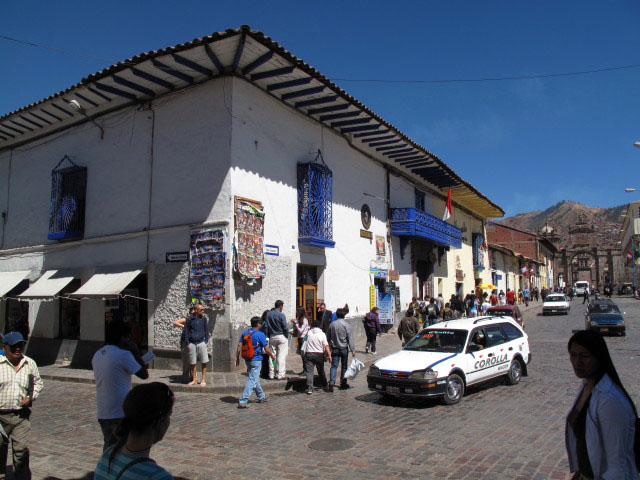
[303,348]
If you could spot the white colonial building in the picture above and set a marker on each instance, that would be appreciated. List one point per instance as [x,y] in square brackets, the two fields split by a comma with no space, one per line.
[223,169]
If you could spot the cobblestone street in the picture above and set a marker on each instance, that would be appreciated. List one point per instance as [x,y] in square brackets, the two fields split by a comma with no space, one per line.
[496,432]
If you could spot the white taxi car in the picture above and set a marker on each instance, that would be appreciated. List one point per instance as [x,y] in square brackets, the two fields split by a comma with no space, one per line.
[445,358]
[555,303]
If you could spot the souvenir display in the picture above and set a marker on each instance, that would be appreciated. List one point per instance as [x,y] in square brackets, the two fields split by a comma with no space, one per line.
[249,248]
[206,274]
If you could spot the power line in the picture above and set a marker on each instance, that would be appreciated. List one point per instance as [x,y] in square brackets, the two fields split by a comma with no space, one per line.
[376,80]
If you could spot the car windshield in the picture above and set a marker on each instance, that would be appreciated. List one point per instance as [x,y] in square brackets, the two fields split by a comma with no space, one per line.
[500,312]
[603,308]
[434,340]
[555,298]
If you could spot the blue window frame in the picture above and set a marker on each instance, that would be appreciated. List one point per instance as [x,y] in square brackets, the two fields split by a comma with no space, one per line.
[68,202]
[315,203]
[478,251]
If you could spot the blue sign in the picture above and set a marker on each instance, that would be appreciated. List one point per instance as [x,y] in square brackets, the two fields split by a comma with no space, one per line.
[272,250]
[385,308]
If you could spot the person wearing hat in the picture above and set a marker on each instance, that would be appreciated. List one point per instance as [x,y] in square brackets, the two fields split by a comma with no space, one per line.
[20,385]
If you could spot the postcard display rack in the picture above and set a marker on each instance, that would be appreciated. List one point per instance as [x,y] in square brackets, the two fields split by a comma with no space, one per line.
[249,238]
[207,273]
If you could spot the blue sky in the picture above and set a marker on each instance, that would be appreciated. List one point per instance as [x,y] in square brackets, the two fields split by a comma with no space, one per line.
[526,144]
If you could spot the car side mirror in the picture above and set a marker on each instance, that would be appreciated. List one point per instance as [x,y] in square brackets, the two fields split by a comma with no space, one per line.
[473,348]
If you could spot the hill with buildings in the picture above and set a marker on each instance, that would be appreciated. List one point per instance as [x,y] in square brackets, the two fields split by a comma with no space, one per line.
[560,218]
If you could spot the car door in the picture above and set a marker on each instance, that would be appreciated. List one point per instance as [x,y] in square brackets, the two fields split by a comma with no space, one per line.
[497,354]
[474,370]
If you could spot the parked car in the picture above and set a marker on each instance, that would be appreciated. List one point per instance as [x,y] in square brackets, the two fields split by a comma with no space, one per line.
[510,311]
[446,358]
[555,303]
[605,317]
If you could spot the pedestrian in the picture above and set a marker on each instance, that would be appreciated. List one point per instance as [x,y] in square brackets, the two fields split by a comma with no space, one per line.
[340,339]
[300,330]
[600,427]
[520,296]
[113,366]
[586,296]
[409,327]
[525,295]
[253,359]
[184,346]
[317,347]
[447,313]
[147,411]
[197,335]
[485,306]
[502,298]
[371,329]
[432,311]
[493,299]
[324,317]
[277,332]
[414,304]
[511,297]
[20,385]
[440,302]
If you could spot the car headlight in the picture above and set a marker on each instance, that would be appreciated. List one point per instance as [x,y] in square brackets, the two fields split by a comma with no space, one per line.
[373,370]
[430,374]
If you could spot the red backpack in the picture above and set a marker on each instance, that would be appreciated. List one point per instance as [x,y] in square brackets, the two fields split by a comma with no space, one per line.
[247,350]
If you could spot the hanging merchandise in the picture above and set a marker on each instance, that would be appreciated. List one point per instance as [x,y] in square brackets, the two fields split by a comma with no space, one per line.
[207,272]
[249,239]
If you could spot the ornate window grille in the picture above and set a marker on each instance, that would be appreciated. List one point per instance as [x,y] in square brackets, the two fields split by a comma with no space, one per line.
[68,201]
[315,218]
[478,251]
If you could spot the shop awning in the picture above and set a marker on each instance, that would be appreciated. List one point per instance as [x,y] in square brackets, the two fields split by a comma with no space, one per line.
[8,280]
[49,284]
[109,281]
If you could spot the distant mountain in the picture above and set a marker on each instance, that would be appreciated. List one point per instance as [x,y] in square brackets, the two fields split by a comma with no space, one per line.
[565,215]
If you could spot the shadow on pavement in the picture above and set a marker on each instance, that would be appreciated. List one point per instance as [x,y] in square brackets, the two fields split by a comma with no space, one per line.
[89,476]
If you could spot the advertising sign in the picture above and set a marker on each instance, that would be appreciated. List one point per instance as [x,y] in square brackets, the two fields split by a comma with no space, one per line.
[385,305]
[372,296]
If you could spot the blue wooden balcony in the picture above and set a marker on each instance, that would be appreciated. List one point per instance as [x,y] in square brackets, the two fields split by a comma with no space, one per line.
[410,222]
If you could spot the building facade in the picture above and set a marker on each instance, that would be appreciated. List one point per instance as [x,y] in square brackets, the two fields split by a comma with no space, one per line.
[225,171]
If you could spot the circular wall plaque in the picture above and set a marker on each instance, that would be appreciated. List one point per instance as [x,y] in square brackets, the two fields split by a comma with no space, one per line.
[365,215]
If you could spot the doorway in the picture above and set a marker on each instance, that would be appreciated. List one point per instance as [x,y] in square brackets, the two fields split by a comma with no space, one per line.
[307,290]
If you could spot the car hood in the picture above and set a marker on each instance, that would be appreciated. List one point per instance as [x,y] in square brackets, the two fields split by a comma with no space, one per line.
[606,317]
[408,360]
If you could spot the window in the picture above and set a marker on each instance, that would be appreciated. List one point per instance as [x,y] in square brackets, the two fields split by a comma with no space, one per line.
[420,204]
[315,190]
[68,201]
[478,251]
[510,331]
[494,335]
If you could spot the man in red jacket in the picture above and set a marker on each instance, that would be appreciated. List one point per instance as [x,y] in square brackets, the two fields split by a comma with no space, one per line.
[511,297]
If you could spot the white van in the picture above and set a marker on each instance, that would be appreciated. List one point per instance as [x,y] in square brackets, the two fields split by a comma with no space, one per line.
[581,288]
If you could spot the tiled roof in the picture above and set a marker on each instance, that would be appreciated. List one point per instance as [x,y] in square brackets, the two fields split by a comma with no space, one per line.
[251,55]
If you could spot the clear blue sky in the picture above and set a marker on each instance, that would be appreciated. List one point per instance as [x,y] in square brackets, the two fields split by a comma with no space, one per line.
[526,144]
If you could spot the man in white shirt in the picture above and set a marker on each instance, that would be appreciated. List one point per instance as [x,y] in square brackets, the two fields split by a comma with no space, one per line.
[113,366]
[316,348]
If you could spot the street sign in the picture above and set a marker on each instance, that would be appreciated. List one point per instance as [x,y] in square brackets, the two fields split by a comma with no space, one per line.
[366,234]
[271,250]
[176,257]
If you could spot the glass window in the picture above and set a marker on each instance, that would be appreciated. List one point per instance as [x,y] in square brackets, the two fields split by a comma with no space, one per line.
[511,331]
[420,204]
[436,340]
[494,335]
[68,194]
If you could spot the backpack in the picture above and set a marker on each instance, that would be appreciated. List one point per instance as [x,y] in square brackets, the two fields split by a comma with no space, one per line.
[247,351]
[431,311]
[448,315]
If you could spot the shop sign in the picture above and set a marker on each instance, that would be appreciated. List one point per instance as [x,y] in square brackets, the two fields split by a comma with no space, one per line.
[372,296]
[366,234]
[272,250]
[459,275]
[385,306]
[373,270]
[394,275]
[382,273]
[176,257]
[380,246]
[365,216]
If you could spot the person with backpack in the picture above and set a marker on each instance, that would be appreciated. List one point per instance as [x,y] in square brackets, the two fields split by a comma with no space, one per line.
[251,346]
[447,313]
[432,312]
[600,431]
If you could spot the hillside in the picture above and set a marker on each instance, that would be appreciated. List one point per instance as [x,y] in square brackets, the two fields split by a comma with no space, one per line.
[566,214]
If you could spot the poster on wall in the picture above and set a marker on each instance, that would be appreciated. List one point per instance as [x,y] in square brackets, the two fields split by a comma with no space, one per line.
[249,239]
[385,308]
[380,246]
[207,268]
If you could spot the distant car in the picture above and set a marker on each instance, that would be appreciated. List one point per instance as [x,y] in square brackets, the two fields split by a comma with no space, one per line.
[582,288]
[555,303]
[443,359]
[510,311]
[605,316]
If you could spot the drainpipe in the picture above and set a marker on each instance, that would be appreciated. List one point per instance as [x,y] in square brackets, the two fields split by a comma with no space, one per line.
[5,214]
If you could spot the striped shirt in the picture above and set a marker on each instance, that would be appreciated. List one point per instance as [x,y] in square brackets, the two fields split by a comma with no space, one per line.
[140,471]
[17,384]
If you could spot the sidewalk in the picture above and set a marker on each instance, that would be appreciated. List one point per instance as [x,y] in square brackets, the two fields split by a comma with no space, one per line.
[220,383]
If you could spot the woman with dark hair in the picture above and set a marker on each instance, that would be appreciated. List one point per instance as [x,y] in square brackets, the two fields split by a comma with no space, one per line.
[147,411]
[372,329]
[600,427]
[301,328]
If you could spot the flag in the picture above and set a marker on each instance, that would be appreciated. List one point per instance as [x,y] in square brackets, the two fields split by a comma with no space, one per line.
[629,256]
[448,211]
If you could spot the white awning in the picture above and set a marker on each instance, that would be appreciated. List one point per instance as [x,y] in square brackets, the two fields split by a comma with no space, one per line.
[49,284]
[109,281]
[8,280]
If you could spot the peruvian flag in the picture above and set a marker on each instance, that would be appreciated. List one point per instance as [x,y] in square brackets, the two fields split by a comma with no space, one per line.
[448,210]
[629,256]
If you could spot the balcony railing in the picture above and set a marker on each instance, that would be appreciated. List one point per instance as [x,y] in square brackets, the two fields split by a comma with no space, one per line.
[409,222]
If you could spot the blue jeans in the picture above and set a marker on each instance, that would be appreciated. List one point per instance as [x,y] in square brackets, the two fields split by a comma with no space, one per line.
[337,355]
[253,382]
[108,427]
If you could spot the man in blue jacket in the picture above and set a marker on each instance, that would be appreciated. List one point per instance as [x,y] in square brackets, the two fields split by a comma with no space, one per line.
[259,342]
[196,332]
[277,332]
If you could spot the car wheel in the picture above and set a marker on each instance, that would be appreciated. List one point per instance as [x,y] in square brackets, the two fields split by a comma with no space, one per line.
[454,390]
[515,372]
